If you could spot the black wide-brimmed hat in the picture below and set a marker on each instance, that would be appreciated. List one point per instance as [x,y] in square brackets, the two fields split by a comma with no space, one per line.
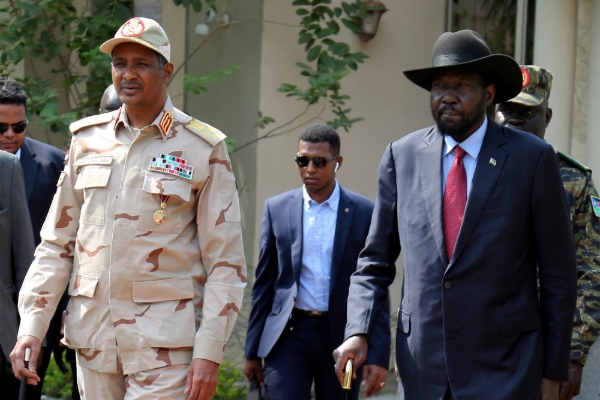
[466,51]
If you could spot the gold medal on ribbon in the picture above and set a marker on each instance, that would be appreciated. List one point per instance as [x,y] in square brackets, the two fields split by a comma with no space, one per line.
[160,216]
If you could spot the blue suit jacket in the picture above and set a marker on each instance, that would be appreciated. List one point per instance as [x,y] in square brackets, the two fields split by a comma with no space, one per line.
[42,165]
[278,273]
[473,322]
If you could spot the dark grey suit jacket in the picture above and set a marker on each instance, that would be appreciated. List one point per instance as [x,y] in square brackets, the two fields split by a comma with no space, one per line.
[473,323]
[16,246]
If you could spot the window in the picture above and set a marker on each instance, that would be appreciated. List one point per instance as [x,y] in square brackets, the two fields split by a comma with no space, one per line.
[507,26]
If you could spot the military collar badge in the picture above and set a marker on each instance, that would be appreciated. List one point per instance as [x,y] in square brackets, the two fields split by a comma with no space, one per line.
[596,205]
[166,122]
[172,165]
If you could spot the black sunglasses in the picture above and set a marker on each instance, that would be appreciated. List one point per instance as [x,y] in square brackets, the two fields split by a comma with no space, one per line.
[320,162]
[19,127]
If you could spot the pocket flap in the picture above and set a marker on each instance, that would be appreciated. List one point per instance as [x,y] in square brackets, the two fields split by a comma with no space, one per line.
[93,176]
[404,321]
[82,285]
[167,186]
[513,324]
[163,290]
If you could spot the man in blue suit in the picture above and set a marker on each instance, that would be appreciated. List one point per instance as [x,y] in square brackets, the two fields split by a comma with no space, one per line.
[42,165]
[309,245]
[476,208]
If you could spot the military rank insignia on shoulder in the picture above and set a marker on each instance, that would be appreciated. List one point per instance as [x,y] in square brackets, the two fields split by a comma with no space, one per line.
[205,131]
[573,162]
[596,205]
[90,121]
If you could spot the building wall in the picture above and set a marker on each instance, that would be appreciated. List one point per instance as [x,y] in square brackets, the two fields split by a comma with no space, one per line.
[231,105]
[392,106]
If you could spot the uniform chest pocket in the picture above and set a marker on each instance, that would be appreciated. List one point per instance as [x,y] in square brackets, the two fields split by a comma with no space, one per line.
[178,209]
[93,180]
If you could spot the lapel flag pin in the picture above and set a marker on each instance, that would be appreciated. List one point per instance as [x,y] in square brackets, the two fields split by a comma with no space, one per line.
[347,210]
[493,162]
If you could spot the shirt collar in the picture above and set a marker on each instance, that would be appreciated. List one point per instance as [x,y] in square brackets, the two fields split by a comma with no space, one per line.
[18,153]
[163,122]
[471,145]
[332,201]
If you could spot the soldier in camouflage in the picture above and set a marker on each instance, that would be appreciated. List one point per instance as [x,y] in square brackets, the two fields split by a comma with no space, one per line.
[145,231]
[529,112]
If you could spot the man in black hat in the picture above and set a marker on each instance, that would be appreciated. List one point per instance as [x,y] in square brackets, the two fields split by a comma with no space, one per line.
[476,208]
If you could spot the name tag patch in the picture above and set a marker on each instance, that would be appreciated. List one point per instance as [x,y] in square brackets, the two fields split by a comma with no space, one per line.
[104,160]
[172,165]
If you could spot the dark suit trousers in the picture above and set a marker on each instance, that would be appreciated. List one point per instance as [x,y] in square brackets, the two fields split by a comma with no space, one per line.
[303,355]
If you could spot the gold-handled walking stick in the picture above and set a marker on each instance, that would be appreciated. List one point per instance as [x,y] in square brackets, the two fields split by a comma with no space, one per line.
[23,386]
[347,384]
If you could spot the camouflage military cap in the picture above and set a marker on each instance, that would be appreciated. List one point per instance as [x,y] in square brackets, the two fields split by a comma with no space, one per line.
[143,31]
[537,83]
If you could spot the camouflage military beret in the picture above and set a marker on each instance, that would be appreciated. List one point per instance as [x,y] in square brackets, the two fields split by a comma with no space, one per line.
[537,83]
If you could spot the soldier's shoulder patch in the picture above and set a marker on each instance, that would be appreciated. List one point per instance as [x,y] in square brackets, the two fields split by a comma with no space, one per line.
[205,131]
[573,162]
[90,121]
[596,205]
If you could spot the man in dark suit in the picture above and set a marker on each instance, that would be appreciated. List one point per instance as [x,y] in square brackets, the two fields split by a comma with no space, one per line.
[42,165]
[16,254]
[475,207]
[309,245]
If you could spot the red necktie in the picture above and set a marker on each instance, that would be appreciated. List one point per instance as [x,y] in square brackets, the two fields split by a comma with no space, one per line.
[455,200]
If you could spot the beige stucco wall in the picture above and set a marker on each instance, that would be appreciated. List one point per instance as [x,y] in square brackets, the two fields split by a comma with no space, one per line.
[380,93]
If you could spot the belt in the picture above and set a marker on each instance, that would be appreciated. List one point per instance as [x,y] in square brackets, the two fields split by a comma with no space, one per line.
[311,313]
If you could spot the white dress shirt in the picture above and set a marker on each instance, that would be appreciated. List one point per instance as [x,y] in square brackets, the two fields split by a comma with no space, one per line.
[318,233]
[18,153]
[472,146]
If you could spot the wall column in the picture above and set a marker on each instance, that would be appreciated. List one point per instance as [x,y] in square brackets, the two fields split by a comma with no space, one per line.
[555,49]
[593,123]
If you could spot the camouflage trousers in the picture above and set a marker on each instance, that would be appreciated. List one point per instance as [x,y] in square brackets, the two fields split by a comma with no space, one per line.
[159,383]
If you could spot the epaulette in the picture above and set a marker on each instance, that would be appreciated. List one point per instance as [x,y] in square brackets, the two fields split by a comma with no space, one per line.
[89,121]
[573,161]
[205,131]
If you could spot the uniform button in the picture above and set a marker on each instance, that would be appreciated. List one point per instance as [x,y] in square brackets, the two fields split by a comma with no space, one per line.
[447,284]
[291,329]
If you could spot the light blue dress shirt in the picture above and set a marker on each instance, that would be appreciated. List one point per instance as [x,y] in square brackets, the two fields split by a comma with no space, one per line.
[318,233]
[472,146]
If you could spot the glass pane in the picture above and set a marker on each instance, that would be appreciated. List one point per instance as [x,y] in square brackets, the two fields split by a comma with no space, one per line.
[495,21]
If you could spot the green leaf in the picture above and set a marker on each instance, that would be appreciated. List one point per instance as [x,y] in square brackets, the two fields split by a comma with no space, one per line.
[302,11]
[314,53]
[339,49]
[301,3]
[309,44]
[324,32]
[303,66]
[347,8]
[197,5]
[338,12]
[351,25]
[313,81]
[305,38]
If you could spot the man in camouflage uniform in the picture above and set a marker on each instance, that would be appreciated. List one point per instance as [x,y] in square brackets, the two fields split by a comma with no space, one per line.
[145,230]
[529,112]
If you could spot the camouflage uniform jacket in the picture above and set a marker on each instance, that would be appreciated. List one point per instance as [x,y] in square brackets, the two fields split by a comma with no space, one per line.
[151,294]
[579,187]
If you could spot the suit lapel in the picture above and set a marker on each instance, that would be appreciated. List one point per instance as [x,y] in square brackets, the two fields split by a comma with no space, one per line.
[430,171]
[342,227]
[295,220]
[30,167]
[484,180]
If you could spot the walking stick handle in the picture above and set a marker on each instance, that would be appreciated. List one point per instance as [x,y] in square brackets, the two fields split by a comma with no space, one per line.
[23,386]
[348,376]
